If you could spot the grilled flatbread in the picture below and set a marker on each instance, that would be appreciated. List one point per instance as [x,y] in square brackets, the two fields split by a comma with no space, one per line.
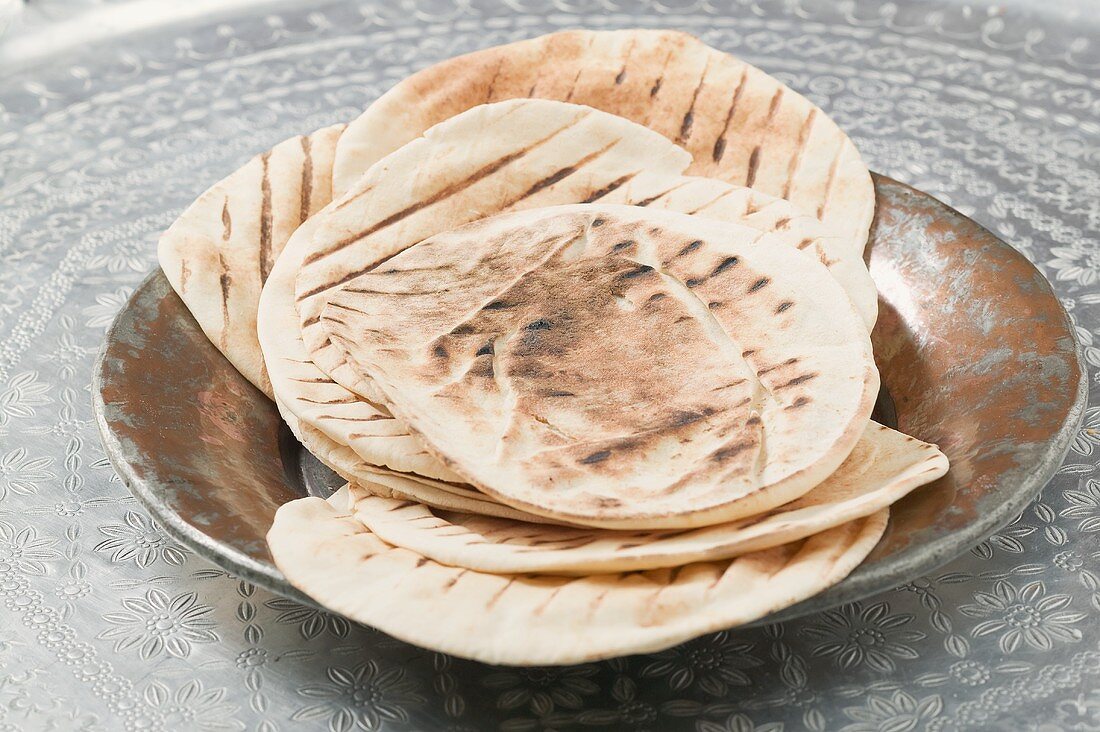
[540,620]
[614,366]
[740,124]
[884,466]
[219,252]
[514,155]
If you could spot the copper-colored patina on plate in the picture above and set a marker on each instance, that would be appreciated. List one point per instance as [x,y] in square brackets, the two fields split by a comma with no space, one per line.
[975,351]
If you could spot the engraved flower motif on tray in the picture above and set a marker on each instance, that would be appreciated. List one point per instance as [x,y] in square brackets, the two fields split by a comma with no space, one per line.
[21,474]
[1024,616]
[855,636]
[899,713]
[542,690]
[311,622]
[23,393]
[1079,262]
[1085,505]
[737,723]
[24,550]
[158,623]
[190,707]
[713,663]
[139,538]
[107,304]
[363,697]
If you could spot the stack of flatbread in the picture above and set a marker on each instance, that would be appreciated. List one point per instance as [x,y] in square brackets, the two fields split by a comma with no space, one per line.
[584,323]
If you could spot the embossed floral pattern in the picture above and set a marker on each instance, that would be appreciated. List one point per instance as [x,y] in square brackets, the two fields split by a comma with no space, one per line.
[158,623]
[713,664]
[855,636]
[24,550]
[363,697]
[1025,615]
[191,707]
[900,712]
[542,690]
[139,539]
[22,474]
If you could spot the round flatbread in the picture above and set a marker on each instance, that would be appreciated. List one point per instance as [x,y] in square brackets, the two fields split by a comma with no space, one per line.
[541,620]
[884,466]
[378,481]
[741,125]
[219,252]
[614,366]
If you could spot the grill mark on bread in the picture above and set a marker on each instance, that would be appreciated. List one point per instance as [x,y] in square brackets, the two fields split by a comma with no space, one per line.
[619,77]
[225,279]
[561,174]
[341,400]
[662,194]
[266,260]
[610,187]
[342,418]
[725,264]
[689,116]
[800,147]
[757,152]
[496,596]
[493,81]
[783,306]
[656,88]
[448,191]
[454,580]
[759,285]
[796,381]
[185,274]
[306,197]
[773,367]
[719,148]
[573,86]
[690,247]
[829,180]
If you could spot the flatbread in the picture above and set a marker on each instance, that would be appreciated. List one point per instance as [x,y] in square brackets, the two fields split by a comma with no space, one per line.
[519,154]
[541,620]
[740,124]
[219,252]
[307,395]
[443,155]
[615,366]
[456,150]
[388,483]
[884,466]
[720,201]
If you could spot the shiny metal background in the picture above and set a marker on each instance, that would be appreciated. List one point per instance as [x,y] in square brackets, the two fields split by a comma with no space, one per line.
[105,624]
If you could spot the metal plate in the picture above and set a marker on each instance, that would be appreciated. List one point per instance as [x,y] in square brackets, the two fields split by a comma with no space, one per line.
[975,351]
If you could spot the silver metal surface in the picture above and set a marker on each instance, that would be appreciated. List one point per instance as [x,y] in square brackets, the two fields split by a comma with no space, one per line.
[106,625]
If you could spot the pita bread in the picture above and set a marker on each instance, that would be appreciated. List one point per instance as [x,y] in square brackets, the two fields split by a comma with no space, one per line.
[740,124]
[311,397]
[541,620]
[614,366]
[517,154]
[220,250]
[444,155]
[373,480]
[459,149]
[884,466]
[720,201]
